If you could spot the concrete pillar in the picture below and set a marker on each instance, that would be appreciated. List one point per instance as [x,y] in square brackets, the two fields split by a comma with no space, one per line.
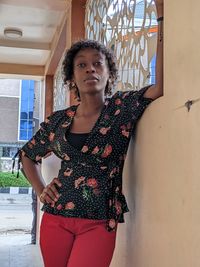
[161,178]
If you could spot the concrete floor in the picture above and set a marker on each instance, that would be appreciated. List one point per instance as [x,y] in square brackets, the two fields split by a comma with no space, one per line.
[15,238]
[16,251]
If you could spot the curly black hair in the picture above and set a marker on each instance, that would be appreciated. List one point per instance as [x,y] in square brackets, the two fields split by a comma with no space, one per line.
[68,66]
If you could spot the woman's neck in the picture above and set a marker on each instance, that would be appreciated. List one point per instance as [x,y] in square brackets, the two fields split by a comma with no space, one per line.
[90,106]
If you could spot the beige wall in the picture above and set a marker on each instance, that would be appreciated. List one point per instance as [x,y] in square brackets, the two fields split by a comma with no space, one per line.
[162,177]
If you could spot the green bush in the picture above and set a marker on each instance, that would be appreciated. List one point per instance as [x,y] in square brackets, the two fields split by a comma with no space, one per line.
[8,179]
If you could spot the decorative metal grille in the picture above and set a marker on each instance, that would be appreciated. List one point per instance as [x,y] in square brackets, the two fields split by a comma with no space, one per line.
[59,90]
[129,28]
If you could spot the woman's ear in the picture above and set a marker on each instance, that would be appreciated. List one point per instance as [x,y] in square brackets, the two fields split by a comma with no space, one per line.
[73,84]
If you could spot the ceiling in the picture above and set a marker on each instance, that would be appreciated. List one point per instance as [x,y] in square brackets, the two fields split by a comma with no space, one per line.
[40,22]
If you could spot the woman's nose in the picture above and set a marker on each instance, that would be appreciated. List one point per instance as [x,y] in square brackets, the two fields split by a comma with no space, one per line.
[90,69]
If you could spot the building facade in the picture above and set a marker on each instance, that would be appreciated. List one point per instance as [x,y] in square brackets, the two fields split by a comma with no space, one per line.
[19,108]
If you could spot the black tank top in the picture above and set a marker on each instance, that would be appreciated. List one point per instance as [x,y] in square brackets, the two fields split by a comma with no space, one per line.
[77,140]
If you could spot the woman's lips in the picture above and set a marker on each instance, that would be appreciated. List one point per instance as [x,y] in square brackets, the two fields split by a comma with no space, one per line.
[91,79]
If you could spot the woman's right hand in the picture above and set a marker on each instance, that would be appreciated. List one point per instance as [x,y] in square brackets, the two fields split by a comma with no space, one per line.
[50,194]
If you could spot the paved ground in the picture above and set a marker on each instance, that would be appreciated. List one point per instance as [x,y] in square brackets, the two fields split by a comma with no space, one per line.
[20,256]
[15,213]
[15,227]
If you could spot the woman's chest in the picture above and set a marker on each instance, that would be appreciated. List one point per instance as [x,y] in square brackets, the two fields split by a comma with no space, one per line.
[109,135]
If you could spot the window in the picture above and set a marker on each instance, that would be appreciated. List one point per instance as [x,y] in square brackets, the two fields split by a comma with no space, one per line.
[26,110]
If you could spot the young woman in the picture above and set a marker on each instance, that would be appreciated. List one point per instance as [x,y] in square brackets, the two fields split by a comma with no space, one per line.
[84,204]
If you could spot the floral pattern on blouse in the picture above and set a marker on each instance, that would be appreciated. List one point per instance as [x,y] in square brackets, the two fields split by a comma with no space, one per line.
[91,177]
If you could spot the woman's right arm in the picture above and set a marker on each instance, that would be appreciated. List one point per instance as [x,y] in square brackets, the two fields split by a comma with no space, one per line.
[46,194]
[33,174]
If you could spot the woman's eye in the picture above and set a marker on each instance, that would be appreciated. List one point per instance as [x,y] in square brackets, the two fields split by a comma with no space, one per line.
[81,65]
[98,63]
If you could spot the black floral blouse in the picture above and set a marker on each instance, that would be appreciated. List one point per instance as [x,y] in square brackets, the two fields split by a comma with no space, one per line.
[91,177]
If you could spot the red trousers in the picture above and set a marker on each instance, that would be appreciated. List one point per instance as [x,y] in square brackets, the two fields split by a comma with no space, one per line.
[75,242]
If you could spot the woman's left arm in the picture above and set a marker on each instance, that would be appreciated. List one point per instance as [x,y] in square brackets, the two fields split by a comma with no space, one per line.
[156,90]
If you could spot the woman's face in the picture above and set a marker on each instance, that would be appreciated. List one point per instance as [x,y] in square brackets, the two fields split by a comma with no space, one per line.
[91,71]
